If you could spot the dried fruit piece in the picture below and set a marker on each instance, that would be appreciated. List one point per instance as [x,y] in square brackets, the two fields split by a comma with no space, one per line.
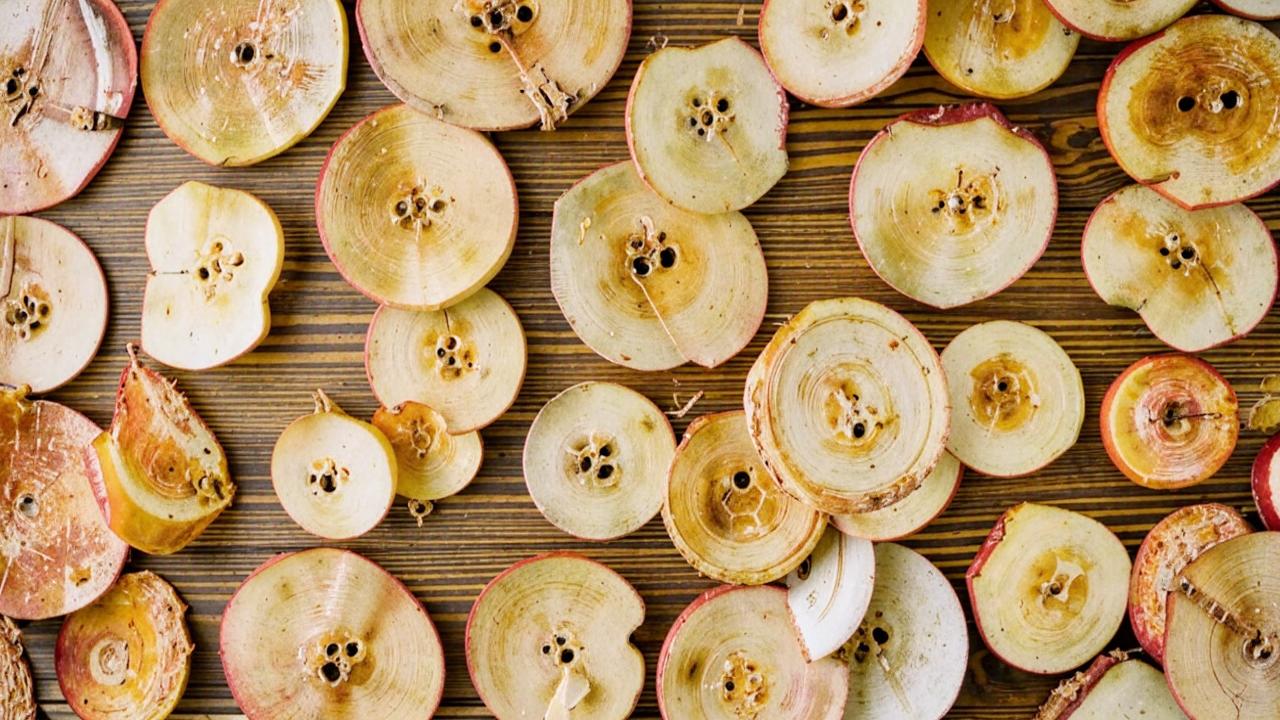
[1113,686]
[19,699]
[431,464]
[828,594]
[1266,483]
[953,204]
[128,655]
[239,81]
[650,286]
[1048,588]
[1252,9]
[551,637]
[1122,20]
[707,126]
[327,633]
[912,513]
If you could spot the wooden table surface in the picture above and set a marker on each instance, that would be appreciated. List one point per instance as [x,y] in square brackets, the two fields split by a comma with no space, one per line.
[319,325]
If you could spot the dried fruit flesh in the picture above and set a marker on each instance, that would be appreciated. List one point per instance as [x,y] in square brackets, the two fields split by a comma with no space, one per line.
[912,513]
[431,464]
[1113,686]
[1265,483]
[1253,9]
[19,699]
[828,594]
[1113,20]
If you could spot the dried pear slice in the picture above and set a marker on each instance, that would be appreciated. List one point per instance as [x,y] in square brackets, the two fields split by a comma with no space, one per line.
[725,512]
[550,637]
[1113,686]
[416,213]
[19,699]
[1265,482]
[239,81]
[431,464]
[1116,20]
[1252,9]
[53,303]
[828,595]
[707,126]
[1048,588]
[327,633]
[650,286]
[912,513]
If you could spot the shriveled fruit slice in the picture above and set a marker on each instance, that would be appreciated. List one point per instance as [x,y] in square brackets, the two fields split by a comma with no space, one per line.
[431,464]
[1048,588]
[1113,686]
[650,286]
[732,654]
[550,637]
[53,301]
[1266,484]
[327,633]
[1170,421]
[912,513]
[466,362]
[828,594]
[707,126]
[239,81]
[1253,9]
[128,655]
[1113,20]
[848,407]
[19,699]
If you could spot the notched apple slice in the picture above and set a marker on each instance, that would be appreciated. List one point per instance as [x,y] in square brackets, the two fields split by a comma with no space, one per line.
[1252,9]
[1123,20]
[431,464]
[1265,482]
[19,699]
[828,594]
[1113,686]
[707,126]
[912,513]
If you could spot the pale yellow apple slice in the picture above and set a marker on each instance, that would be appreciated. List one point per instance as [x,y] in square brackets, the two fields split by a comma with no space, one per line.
[431,464]
[828,594]
[1252,9]
[19,699]
[1113,686]
[707,126]
[1115,20]
[912,513]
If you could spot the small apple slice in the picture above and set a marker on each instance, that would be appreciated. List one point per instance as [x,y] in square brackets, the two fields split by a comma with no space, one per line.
[1113,686]
[1266,484]
[1048,588]
[707,126]
[828,594]
[416,213]
[1117,21]
[431,464]
[1170,421]
[910,514]
[19,699]
[1252,9]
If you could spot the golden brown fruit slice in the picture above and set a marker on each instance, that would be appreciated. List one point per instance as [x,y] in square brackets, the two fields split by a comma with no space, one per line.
[415,213]
[53,303]
[431,464]
[1113,686]
[1114,20]
[725,512]
[19,699]
[239,81]
[1265,483]
[1048,588]
[128,655]
[707,126]
[550,637]
[912,513]
[1170,421]
[828,594]
[650,286]
[1252,9]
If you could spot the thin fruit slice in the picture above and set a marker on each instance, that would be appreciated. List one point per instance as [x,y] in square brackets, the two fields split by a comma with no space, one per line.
[952,205]
[53,301]
[239,81]
[1252,9]
[650,286]
[550,637]
[1266,484]
[828,594]
[431,464]
[1170,421]
[912,513]
[725,512]
[128,655]
[466,362]
[1113,686]
[707,126]
[327,633]
[848,407]
[19,699]
[1048,588]
[415,213]
[1115,20]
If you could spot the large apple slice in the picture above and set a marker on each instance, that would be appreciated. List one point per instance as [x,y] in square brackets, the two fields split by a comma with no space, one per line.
[828,594]
[1252,9]
[1117,20]
[1266,484]
[431,464]
[415,213]
[650,286]
[1113,686]
[1048,588]
[912,513]
[707,126]
[19,699]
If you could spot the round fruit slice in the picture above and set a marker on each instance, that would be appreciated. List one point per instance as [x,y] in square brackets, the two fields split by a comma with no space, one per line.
[19,700]
[841,53]
[1266,484]
[550,637]
[998,50]
[1170,421]
[215,255]
[912,513]
[725,512]
[431,464]
[416,213]
[1252,9]
[952,205]
[650,286]
[848,407]
[1198,279]
[1113,686]
[466,362]
[128,655]
[326,633]
[1172,544]
[732,654]
[495,64]
[1048,588]
[828,594]
[56,552]
[239,81]
[1115,20]
[1189,111]
[53,302]
[707,126]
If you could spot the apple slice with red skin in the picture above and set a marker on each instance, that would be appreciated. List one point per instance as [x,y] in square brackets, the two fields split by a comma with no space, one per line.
[1252,9]
[1113,686]
[1119,21]
[827,596]
[912,513]
[431,464]
[1266,483]
[19,699]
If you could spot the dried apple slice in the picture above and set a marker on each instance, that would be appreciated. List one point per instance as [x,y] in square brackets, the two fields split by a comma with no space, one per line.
[431,464]
[707,126]
[1048,588]
[128,655]
[550,637]
[1170,421]
[19,699]
[1252,9]
[912,513]
[828,594]
[1113,686]
[1265,482]
[1117,20]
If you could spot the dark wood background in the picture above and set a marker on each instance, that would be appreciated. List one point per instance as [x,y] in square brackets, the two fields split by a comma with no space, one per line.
[319,326]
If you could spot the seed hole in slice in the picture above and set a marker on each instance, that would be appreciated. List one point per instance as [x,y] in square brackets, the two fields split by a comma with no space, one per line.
[1117,21]
[828,594]
[431,464]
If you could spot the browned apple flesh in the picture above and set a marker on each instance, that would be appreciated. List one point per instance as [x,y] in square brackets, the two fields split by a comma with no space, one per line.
[912,513]
[828,594]
[1113,686]
[1266,483]
[1253,9]
[1113,20]
[431,464]
[19,700]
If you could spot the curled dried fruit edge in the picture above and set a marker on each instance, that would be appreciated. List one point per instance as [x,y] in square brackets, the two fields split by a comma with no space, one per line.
[828,594]
[1114,685]
[1265,483]
[19,699]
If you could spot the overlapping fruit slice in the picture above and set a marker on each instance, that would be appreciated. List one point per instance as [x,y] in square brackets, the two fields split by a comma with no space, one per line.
[326,633]
[240,81]
[650,286]
[550,637]
[1113,686]
[910,514]
[416,213]
[19,699]
[1265,482]
[1253,9]
[952,205]
[431,464]
[1119,19]
[828,594]
[707,126]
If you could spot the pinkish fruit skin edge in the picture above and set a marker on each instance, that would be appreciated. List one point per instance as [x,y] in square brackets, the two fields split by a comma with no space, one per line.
[1266,485]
